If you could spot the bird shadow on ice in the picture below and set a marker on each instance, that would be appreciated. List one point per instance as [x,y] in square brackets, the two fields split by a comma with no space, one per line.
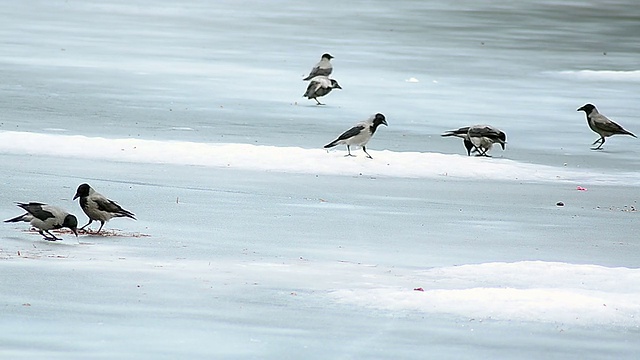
[608,151]
[323,106]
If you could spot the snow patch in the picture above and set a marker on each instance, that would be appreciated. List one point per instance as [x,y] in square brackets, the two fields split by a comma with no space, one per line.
[296,160]
[523,291]
[633,75]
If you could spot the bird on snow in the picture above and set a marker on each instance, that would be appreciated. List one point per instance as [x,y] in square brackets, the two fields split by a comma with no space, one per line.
[601,125]
[322,68]
[478,138]
[320,86]
[484,136]
[46,217]
[462,133]
[98,207]
[359,134]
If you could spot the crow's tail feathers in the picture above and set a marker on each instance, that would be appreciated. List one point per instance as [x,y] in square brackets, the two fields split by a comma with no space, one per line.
[126,213]
[331,144]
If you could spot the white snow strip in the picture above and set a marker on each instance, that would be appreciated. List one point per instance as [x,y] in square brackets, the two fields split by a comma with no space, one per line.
[296,160]
[522,291]
[633,75]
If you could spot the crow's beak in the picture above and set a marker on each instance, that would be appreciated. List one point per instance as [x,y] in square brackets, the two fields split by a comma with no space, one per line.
[76,196]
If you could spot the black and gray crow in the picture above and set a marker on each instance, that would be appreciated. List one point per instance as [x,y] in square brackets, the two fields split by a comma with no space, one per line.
[320,86]
[322,68]
[601,125]
[46,217]
[360,134]
[98,207]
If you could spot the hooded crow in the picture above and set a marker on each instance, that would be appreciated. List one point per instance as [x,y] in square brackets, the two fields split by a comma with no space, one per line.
[320,86]
[360,134]
[46,217]
[322,68]
[601,125]
[462,133]
[484,136]
[99,208]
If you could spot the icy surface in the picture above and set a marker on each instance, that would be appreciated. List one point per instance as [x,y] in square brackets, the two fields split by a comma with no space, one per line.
[254,242]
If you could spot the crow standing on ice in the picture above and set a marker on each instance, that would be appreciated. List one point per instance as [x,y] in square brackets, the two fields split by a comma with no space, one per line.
[320,86]
[99,208]
[322,68]
[601,125]
[46,217]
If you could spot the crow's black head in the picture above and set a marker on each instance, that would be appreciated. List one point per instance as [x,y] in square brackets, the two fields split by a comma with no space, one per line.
[71,222]
[379,119]
[587,108]
[83,190]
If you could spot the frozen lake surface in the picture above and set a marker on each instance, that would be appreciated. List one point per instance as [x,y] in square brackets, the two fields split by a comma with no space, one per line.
[254,242]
